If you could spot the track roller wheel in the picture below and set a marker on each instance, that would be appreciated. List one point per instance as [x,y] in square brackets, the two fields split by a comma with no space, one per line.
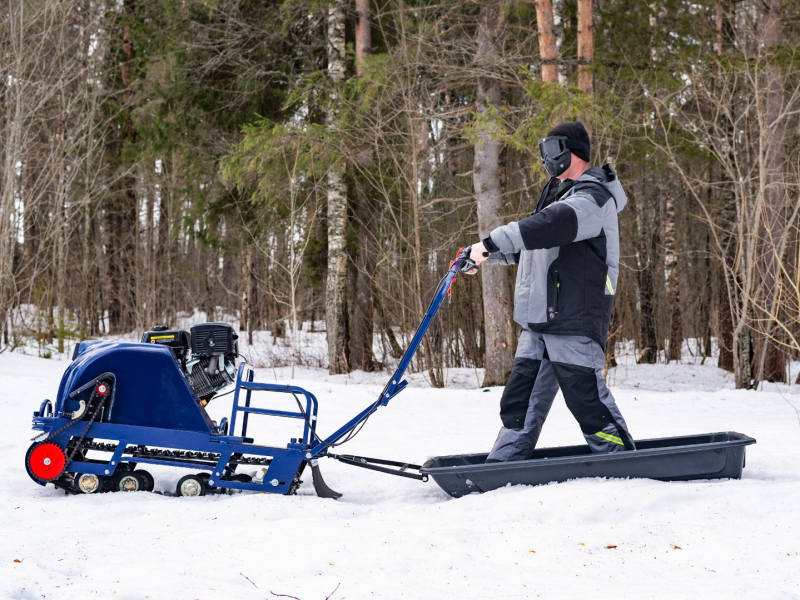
[149,483]
[45,462]
[129,481]
[87,483]
[191,485]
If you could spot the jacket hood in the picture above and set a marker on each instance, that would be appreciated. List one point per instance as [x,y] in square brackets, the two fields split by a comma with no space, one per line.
[607,177]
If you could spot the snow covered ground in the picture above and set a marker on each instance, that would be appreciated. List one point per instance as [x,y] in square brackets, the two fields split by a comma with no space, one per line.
[395,538]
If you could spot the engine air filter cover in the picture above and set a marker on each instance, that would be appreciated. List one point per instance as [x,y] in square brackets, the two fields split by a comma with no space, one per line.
[214,338]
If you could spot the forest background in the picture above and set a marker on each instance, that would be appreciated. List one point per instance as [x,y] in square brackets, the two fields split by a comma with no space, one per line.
[319,163]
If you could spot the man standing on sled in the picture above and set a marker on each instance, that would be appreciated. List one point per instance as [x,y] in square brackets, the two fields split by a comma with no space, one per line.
[568,257]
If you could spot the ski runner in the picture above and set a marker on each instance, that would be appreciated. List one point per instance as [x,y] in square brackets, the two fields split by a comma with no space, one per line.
[568,257]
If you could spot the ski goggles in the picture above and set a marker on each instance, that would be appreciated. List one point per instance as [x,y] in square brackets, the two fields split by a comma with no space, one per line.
[554,151]
[554,146]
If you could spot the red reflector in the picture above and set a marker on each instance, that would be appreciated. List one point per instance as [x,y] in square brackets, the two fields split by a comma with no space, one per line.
[102,389]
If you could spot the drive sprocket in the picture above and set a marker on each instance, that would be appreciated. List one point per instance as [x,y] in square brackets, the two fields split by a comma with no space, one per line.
[45,462]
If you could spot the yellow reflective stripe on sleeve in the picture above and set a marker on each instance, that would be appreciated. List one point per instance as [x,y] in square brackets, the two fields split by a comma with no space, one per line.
[609,287]
[609,438]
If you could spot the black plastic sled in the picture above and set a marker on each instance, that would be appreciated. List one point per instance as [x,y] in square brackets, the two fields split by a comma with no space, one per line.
[704,456]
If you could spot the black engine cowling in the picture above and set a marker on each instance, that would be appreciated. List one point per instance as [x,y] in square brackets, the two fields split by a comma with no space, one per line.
[177,339]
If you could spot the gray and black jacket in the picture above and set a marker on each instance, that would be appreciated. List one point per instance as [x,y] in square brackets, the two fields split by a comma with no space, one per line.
[568,256]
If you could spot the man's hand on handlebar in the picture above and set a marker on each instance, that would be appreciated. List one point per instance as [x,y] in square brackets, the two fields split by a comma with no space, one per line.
[478,254]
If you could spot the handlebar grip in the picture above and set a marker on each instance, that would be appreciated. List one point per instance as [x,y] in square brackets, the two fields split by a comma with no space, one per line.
[468,264]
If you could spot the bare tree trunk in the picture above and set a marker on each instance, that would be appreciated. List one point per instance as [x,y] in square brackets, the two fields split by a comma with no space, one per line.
[394,346]
[647,227]
[362,294]
[90,274]
[611,341]
[363,34]
[121,217]
[725,302]
[745,373]
[724,324]
[247,290]
[276,283]
[548,50]
[771,360]
[363,265]
[673,283]
[497,296]
[704,309]
[32,232]
[16,30]
[150,314]
[113,271]
[335,296]
[721,23]
[121,211]
[168,241]
[649,341]
[585,46]
[61,225]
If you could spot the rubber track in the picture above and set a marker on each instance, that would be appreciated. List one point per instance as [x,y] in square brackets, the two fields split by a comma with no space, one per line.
[144,452]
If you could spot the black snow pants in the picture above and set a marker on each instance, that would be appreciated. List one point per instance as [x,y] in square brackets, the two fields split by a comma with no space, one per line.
[544,363]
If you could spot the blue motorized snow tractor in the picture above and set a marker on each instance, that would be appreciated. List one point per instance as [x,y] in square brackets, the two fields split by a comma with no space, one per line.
[123,405]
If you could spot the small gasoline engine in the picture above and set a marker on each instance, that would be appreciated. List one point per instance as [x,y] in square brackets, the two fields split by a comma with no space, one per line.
[212,363]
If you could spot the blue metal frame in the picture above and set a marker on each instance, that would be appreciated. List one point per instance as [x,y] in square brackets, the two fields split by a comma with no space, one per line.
[187,435]
[309,416]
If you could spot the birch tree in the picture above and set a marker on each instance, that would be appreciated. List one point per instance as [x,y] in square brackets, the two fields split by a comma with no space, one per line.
[335,296]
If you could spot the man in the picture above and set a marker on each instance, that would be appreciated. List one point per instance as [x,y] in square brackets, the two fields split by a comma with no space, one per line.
[568,257]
